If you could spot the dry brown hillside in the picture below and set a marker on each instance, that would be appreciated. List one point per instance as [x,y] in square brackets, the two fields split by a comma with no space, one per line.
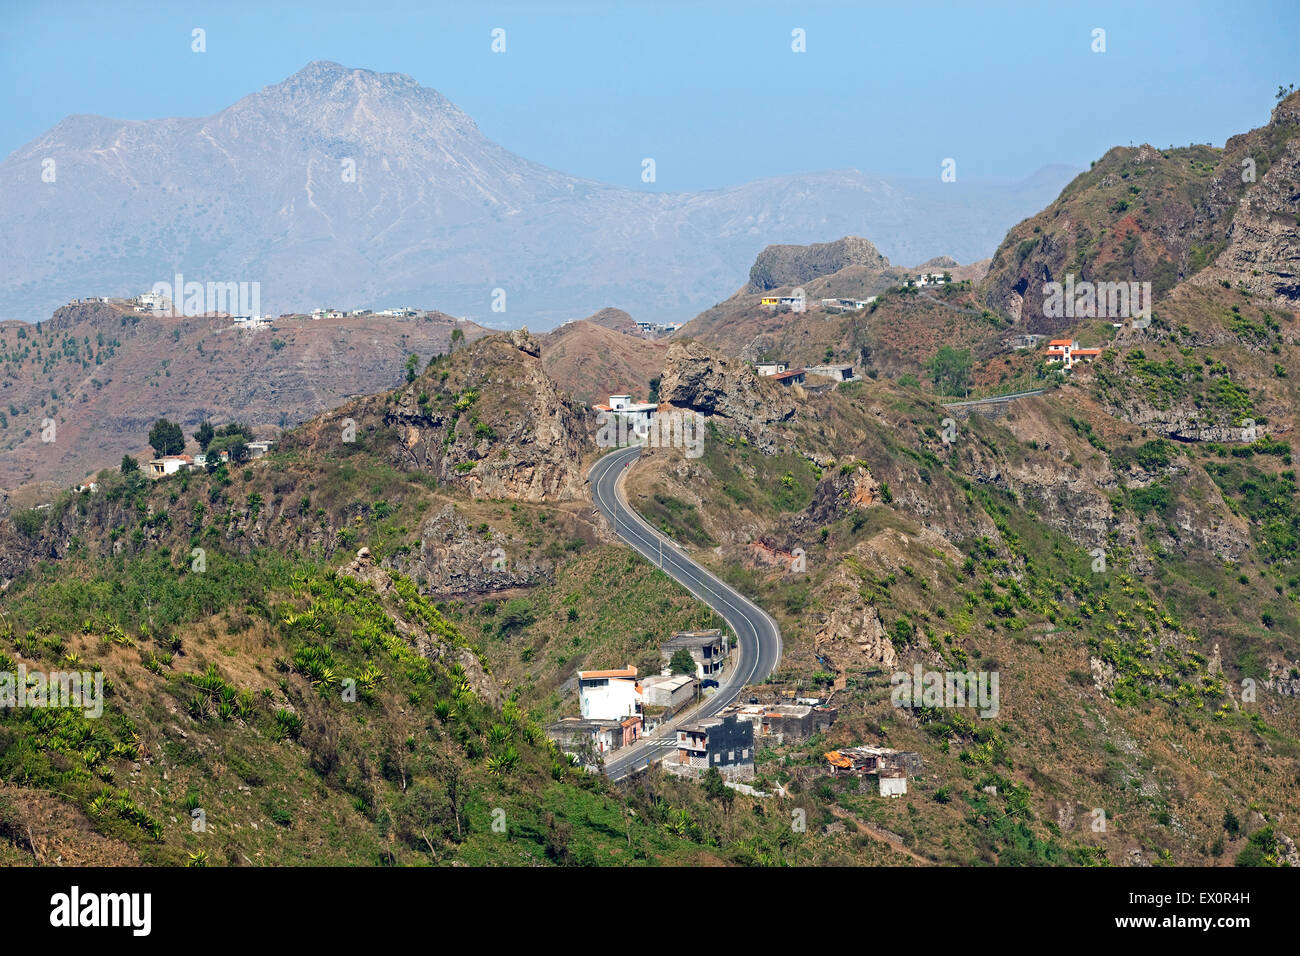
[104,374]
[592,362]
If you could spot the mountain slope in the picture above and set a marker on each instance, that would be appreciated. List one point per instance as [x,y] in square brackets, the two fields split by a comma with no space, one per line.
[1161,216]
[104,374]
[1122,681]
[592,362]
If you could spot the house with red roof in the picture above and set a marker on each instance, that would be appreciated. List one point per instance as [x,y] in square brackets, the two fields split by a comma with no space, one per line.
[1069,352]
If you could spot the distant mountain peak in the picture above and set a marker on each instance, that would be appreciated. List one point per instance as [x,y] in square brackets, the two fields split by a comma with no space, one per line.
[326,91]
[351,188]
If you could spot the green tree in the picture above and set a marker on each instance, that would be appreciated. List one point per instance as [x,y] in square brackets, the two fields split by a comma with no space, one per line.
[682,662]
[517,613]
[204,435]
[29,523]
[715,788]
[950,369]
[166,438]
[235,445]
[235,428]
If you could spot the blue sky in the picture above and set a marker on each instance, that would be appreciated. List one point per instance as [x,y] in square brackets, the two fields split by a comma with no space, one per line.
[712,91]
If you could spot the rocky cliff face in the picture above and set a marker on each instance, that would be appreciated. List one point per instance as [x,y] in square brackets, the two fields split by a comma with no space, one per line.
[1263,251]
[488,421]
[790,265]
[453,559]
[852,636]
[727,390]
[1161,216]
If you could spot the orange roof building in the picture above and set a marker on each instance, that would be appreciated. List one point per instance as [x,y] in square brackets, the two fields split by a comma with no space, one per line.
[1069,352]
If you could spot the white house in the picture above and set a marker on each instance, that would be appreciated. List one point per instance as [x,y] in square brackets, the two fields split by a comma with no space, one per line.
[168,465]
[846,305]
[932,278]
[609,695]
[637,415]
[153,301]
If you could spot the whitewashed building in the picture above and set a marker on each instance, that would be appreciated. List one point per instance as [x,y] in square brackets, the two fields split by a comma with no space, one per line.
[609,694]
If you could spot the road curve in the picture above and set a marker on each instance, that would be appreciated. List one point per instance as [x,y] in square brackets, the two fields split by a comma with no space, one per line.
[758,636]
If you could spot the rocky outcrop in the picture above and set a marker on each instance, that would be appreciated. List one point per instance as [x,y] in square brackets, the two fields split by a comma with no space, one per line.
[1183,422]
[1263,252]
[778,266]
[841,492]
[455,560]
[726,391]
[1284,681]
[493,423]
[852,634]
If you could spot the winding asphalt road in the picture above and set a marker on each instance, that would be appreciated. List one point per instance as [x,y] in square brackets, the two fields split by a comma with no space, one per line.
[759,638]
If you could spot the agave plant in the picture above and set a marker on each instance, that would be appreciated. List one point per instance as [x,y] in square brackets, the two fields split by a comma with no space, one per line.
[504,763]
[129,750]
[287,724]
[100,803]
[198,707]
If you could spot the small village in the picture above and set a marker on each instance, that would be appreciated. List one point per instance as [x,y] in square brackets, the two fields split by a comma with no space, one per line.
[620,708]
[159,304]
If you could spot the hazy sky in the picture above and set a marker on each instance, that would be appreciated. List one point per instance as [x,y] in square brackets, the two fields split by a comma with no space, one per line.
[713,92]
